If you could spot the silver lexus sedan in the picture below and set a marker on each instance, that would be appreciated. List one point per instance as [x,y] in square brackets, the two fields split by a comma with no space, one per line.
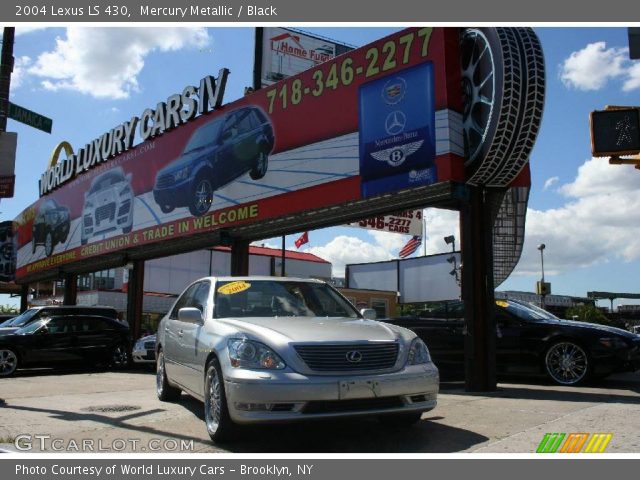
[265,349]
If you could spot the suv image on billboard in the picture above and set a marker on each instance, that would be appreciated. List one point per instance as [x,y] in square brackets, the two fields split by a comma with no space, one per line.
[108,204]
[50,227]
[217,153]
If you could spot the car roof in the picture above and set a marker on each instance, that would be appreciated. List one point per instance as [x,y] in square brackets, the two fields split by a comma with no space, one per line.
[263,277]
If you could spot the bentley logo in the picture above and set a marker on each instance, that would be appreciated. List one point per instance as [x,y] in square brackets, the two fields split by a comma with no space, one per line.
[354,356]
[396,156]
[395,123]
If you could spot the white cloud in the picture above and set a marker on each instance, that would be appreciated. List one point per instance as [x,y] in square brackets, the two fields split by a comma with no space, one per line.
[20,65]
[22,30]
[344,249]
[633,78]
[105,62]
[550,182]
[599,222]
[595,65]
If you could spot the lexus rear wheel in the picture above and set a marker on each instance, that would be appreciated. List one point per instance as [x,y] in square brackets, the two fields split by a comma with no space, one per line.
[8,362]
[165,392]
[567,363]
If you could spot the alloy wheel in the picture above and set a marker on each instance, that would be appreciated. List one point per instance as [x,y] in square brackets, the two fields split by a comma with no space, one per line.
[203,196]
[8,362]
[119,357]
[567,363]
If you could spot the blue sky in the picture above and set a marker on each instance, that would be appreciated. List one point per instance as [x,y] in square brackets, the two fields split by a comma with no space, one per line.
[89,80]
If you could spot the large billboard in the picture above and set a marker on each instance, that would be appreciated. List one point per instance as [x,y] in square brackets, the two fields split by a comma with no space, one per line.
[290,148]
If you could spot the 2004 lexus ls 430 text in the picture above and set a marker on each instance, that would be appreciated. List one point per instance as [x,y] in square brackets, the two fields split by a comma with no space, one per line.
[259,349]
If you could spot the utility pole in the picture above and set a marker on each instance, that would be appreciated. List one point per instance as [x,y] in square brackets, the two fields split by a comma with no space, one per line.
[6,67]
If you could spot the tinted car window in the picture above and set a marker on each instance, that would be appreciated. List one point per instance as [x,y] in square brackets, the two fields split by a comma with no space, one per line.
[62,325]
[204,136]
[91,324]
[244,124]
[525,312]
[23,318]
[184,300]
[200,297]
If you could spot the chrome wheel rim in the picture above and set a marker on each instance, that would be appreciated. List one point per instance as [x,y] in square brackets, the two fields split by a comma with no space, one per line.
[566,363]
[204,196]
[478,88]
[160,374]
[212,402]
[8,362]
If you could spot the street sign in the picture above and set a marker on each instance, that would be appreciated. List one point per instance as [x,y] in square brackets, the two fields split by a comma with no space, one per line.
[615,132]
[33,119]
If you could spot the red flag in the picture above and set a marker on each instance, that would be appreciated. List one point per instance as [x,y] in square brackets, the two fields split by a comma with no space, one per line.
[412,245]
[304,238]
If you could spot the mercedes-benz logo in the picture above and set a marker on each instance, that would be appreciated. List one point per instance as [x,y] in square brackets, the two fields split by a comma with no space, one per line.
[354,356]
[395,122]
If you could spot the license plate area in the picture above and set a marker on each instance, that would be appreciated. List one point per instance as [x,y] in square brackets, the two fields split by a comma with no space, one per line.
[348,389]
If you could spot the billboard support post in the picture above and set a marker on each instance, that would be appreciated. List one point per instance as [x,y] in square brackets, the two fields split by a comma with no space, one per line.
[70,289]
[240,259]
[24,297]
[135,297]
[477,291]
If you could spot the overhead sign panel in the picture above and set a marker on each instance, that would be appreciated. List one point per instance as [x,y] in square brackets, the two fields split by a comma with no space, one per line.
[288,149]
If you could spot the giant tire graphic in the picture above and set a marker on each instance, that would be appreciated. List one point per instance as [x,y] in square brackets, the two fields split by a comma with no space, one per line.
[503,90]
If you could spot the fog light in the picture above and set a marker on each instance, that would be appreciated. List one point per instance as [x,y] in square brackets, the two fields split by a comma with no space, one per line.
[252,407]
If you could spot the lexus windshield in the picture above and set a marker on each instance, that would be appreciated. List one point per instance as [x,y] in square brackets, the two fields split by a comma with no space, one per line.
[265,298]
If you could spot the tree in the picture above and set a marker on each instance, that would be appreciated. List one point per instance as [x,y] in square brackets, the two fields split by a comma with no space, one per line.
[588,313]
[7,309]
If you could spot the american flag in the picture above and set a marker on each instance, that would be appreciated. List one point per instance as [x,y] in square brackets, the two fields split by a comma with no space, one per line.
[411,246]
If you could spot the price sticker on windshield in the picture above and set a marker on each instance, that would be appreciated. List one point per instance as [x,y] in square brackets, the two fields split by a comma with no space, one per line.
[234,287]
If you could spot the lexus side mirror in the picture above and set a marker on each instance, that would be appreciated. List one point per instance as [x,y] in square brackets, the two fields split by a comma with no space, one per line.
[368,313]
[190,315]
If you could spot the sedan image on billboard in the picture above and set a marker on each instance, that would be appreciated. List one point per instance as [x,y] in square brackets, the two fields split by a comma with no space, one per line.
[108,205]
[50,227]
[217,153]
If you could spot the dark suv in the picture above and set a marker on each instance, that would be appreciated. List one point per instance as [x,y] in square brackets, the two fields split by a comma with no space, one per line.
[36,313]
[217,153]
[50,227]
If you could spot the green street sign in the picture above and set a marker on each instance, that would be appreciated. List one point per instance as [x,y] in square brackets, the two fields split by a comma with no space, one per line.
[33,119]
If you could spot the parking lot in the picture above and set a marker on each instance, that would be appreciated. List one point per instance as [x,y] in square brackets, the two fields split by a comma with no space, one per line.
[118,411]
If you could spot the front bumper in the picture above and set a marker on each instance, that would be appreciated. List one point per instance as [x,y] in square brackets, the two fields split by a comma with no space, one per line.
[143,356]
[174,195]
[261,396]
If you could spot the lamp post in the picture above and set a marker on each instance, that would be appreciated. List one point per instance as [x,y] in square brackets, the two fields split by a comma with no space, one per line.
[451,240]
[541,247]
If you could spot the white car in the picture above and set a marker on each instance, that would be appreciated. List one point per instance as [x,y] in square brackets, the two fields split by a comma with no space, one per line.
[144,350]
[108,205]
[262,349]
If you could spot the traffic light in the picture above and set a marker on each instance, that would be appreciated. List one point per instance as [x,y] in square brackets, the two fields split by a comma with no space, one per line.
[615,132]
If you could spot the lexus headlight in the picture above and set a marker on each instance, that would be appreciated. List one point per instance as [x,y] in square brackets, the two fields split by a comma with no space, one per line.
[249,354]
[418,353]
[139,345]
[613,342]
[183,173]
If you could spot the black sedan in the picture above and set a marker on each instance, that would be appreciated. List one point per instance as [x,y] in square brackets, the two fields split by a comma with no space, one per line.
[218,152]
[530,340]
[53,341]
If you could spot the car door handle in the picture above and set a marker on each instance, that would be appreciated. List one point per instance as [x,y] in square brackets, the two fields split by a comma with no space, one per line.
[180,333]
